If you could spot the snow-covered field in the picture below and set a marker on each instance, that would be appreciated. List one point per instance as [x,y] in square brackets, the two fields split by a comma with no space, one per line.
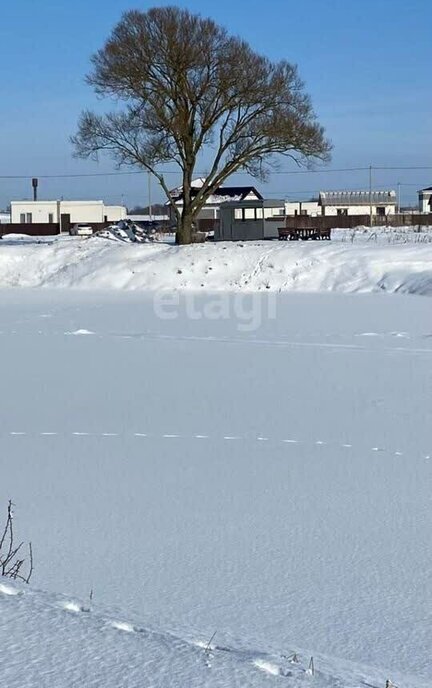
[362,260]
[270,484]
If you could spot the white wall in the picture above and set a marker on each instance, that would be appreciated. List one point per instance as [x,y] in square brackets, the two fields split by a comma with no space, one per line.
[114,213]
[39,211]
[312,208]
[83,211]
[358,209]
[79,211]
[250,197]
[274,212]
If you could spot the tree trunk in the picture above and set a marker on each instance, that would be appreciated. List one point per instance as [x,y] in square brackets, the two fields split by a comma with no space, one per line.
[185,224]
[185,228]
[184,231]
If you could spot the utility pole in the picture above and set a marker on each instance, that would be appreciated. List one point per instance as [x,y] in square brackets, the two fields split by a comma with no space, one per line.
[149,196]
[399,197]
[35,183]
[59,218]
[370,196]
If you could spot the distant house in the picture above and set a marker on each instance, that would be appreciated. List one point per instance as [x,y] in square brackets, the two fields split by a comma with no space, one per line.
[249,220]
[65,212]
[311,208]
[425,200]
[208,217]
[4,218]
[358,202]
[148,218]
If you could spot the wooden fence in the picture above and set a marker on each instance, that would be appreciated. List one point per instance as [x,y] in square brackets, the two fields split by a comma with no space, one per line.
[351,221]
[44,228]
[31,229]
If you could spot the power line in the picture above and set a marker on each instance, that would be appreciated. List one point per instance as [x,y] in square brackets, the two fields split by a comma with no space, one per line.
[77,175]
[316,190]
[402,168]
[142,172]
[203,174]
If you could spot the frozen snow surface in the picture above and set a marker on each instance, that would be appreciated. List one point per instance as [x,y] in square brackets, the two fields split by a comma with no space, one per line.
[361,260]
[52,640]
[255,465]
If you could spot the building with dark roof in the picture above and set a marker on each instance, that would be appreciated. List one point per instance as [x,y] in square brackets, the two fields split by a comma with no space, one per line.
[425,200]
[208,217]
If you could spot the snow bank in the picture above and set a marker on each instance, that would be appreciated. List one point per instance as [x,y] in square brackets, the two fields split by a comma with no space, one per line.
[40,644]
[355,261]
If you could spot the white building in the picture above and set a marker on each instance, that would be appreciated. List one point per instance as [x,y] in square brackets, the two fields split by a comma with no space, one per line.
[65,212]
[4,218]
[311,208]
[425,200]
[382,203]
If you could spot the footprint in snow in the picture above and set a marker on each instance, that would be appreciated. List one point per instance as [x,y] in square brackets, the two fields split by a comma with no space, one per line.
[73,607]
[9,590]
[204,645]
[81,332]
[123,626]
[269,668]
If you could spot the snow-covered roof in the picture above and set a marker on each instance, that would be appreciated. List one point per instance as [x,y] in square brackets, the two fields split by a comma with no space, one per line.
[221,195]
[357,197]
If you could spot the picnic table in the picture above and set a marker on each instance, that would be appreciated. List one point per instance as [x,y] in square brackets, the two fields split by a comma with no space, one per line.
[304,233]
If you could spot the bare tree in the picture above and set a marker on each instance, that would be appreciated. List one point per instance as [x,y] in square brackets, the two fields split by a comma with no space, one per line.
[11,564]
[186,85]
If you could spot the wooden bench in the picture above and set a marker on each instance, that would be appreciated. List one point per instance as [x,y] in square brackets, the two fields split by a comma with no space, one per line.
[303,233]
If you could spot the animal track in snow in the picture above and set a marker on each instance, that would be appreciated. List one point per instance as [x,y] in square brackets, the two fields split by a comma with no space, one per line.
[377,449]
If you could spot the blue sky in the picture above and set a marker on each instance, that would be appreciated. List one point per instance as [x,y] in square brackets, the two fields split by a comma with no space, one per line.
[367,66]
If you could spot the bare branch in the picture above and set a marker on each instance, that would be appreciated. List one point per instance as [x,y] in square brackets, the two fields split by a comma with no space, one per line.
[10,565]
[30,573]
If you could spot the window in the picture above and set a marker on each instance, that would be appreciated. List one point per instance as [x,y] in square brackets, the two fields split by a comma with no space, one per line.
[51,218]
[342,211]
[29,218]
[380,211]
[251,213]
[22,218]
